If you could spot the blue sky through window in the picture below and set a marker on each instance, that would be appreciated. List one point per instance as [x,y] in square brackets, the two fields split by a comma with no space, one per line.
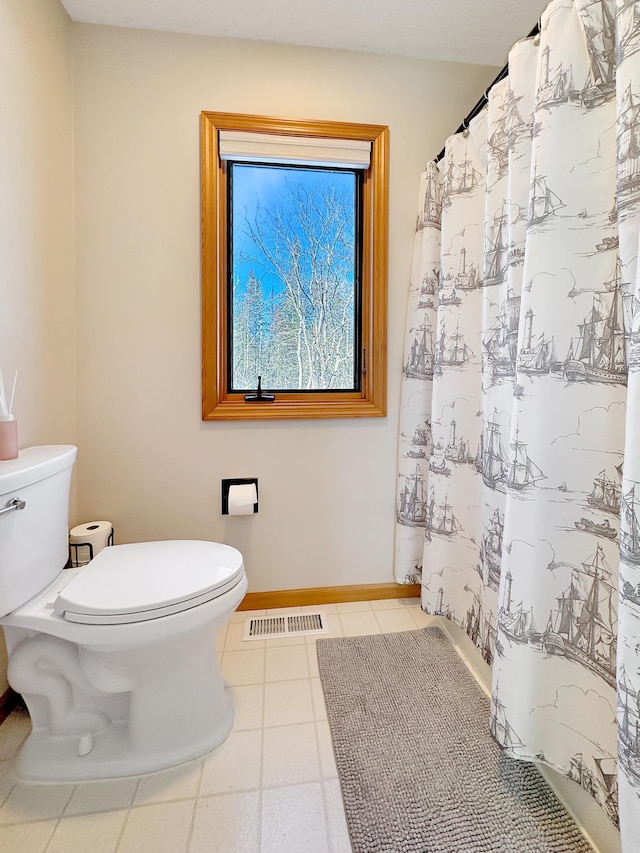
[260,187]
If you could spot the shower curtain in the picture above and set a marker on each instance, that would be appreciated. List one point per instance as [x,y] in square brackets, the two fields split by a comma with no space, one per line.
[518,503]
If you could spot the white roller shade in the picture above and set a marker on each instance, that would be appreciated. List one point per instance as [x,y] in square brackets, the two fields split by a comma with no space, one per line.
[294,150]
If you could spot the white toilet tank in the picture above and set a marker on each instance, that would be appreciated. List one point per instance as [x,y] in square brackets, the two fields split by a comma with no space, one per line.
[34,540]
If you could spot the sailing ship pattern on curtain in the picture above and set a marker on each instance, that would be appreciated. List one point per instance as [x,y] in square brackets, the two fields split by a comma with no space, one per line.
[524,504]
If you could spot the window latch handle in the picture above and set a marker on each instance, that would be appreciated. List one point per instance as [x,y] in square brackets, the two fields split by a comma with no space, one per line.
[259,397]
[364,362]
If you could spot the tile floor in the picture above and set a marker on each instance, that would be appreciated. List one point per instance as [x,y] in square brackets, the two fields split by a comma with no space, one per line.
[272,787]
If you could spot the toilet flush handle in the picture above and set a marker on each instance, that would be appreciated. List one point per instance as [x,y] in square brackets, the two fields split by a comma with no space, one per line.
[13,504]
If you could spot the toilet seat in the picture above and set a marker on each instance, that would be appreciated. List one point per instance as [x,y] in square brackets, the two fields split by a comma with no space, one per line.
[148,580]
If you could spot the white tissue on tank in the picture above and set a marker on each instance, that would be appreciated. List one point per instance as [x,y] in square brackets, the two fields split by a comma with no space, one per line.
[242,497]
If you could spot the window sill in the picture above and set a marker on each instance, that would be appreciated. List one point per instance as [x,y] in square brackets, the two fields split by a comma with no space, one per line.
[238,410]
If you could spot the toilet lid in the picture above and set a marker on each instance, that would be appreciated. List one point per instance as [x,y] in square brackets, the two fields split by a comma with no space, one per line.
[146,580]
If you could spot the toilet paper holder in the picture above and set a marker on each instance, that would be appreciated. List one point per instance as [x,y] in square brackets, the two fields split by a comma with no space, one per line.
[237,481]
[74,561]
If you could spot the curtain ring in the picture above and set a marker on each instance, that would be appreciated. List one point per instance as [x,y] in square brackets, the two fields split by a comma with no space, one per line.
[465,129]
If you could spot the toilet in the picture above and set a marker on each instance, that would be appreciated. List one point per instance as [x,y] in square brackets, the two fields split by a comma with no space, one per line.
[116,661]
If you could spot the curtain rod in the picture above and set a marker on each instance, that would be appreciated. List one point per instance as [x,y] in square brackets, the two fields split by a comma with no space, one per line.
[473,112]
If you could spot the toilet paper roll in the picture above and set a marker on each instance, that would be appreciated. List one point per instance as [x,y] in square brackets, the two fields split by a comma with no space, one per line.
[97,534]
[242,498]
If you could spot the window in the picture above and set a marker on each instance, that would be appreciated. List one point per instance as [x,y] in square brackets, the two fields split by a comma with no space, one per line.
[294,243]
[294,232]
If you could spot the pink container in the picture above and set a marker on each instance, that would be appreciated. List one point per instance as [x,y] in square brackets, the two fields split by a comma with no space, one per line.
[8,440]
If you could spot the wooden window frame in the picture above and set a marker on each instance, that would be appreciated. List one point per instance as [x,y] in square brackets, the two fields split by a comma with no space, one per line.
[217,402]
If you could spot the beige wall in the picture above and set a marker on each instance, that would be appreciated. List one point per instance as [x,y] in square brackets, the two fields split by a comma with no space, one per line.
[37,293]
[146,460]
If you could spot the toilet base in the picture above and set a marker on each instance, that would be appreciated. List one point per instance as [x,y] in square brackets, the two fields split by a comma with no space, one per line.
[48,758]
[119,700]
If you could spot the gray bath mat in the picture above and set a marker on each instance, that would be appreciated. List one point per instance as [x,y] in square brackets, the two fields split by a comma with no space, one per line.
[418,768]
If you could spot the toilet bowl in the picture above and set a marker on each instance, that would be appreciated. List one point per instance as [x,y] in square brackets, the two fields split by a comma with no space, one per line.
[116,661]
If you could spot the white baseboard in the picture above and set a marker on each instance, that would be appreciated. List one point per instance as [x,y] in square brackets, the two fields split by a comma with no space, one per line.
[589,817]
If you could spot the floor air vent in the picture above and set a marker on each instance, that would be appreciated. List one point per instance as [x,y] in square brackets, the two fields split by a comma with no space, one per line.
[267,627]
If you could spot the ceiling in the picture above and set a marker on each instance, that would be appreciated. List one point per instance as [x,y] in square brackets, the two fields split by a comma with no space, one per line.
[476,31]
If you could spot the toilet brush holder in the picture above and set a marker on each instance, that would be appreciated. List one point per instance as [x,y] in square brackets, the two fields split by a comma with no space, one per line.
[8,439]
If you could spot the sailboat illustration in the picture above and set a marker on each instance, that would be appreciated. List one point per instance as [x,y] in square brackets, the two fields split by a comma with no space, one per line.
[584,627]
[629,592]
[475,461]
[420,359]
[473,619]
[499,725]
[628,24]
[556,87]
[496,252]
[615,282]
[412,504]
[580,773]
[432,208]
[601,355]
[573,369]
[630,316]
[629,728]
[465,178]
[498,143]
[458,179]
[491,551]
[521,470]
[605,494]
[600,34]
[441,344]
[501,341]
[628,145]
[518,625]
[516,126]
[422,435]
[421,439]
[556,365]
[488,639]
[480,629]
[629,529]
[533,357]
[451,350]
[448,176]
[602,784]
[430,282]
[631,312]
[494,465]
[441,518]
[607,777]
[543,202]
[457,448]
